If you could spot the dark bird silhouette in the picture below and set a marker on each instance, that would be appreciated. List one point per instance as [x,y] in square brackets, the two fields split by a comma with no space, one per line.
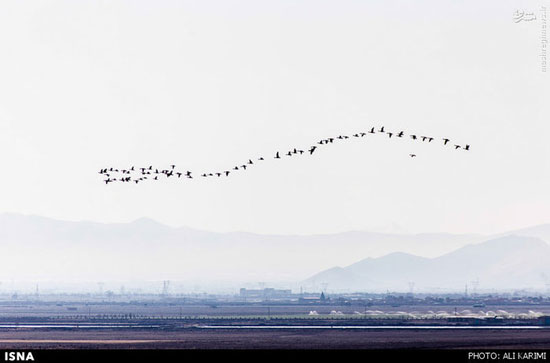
[204,175]
[430,139]
[412,155]
[277,155]
[173,166]
[467,147]
[424,138]
[457,147]
[445,141]
[413,137]
[243,166]
[219,174]
[250,161]
[312,149]
[390,134]
[381,129]
[289,153]
[236,168]
[226,173]
[371,131]
[400,134]
[260,158]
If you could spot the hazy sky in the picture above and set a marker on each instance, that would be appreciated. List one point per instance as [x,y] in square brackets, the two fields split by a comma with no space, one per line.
[208,84]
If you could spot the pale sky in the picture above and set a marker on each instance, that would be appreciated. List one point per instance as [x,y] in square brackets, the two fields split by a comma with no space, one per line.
[208,84]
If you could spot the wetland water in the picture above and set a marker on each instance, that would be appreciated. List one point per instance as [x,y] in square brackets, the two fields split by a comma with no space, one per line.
[75,326]
[500,327]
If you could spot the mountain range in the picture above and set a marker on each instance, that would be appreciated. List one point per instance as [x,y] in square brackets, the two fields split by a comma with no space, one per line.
[43,249]
[503,263]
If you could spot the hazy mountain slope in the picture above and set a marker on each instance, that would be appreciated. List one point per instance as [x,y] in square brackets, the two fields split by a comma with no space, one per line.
[45,248]
[541,231]
[507,262]
[38,248]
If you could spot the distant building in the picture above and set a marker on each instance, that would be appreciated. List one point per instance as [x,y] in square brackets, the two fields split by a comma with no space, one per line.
[267,293]
[317,299]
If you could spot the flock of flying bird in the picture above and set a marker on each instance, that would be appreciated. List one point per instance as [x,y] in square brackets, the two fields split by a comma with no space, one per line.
[137,175]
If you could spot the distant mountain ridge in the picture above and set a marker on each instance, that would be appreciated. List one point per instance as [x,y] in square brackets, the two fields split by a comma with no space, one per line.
[40,248]
[503,263]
